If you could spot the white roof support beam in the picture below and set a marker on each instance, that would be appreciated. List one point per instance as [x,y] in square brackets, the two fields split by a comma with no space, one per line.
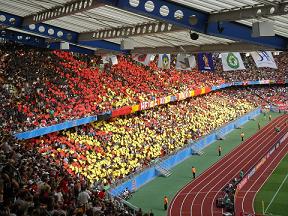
[62,10]
[129,31]
[232,47]
[250,13]
[266,2]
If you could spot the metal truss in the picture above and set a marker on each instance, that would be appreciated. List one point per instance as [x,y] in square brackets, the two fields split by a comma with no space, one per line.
[72,48]
[23,38]
[49,31]
[196,20]
[39,42]
[161,10]
[250,12]
[64,10]
[129,31]
[232,47]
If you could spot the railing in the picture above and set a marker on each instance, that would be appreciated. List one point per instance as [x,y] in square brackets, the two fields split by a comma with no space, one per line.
[124,204]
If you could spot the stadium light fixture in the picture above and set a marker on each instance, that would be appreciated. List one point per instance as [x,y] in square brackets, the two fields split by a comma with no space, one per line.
[193,35]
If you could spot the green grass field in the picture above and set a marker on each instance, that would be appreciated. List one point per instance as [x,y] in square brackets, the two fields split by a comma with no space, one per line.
[150,196]
[274,193]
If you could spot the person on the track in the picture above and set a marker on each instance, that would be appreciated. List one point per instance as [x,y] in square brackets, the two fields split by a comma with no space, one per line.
[277,129]
[227,202]
[241,174]
[165,202]
[194,172]
[219,150]
[242,136]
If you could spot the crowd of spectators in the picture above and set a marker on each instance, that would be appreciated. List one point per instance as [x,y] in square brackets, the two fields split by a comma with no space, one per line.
[32,184]
[274,95]
[110,150]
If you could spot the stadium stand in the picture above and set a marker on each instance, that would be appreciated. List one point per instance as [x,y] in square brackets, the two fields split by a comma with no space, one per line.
[52,171]
[69,172]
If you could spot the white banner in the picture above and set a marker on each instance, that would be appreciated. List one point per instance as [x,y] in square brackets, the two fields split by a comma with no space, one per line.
[114,59]
[110,59]
[232,61]
[142,58]
[185,62]
[264,59]
[164,61]
[105,59]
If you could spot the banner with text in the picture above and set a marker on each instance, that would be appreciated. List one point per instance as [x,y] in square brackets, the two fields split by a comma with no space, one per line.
[264,59]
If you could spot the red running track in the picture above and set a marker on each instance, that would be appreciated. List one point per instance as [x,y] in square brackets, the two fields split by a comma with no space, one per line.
[245,197]
[198,197]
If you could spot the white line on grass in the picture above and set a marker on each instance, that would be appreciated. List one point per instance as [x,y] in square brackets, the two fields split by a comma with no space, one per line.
[276,193]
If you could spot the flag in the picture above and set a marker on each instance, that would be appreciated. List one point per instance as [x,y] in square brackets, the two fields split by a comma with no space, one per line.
[264,59]
[114,59]
[142,58]
[164,61]
[110,59]
[205,62]
[105,59]
[232,61]
[185,62]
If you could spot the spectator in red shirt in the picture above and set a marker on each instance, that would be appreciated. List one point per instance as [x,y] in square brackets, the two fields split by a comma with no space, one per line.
[102,194]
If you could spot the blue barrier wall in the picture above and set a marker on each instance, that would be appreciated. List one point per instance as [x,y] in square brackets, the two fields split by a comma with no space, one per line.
[150,173]
[53,128]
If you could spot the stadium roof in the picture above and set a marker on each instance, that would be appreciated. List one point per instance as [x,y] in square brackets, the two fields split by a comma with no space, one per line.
[149,25]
